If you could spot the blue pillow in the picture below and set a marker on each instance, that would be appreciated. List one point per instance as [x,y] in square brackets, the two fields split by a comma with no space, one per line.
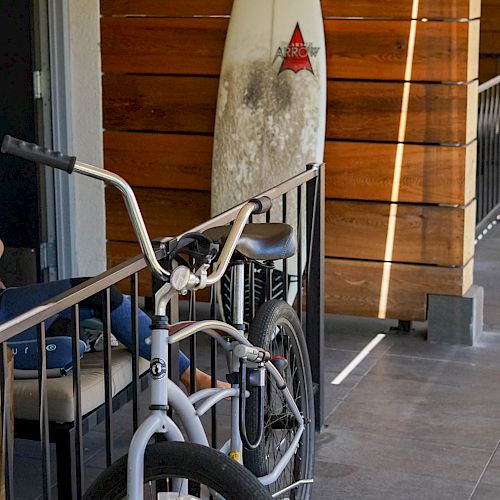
[58,352]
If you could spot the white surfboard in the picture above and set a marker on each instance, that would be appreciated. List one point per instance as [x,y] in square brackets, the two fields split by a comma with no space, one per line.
[271,108]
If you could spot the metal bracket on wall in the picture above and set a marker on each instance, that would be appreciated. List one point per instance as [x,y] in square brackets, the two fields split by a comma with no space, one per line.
[37,85]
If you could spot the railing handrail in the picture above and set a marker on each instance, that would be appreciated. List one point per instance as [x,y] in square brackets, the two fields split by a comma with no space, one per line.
[490,83]
[112,276]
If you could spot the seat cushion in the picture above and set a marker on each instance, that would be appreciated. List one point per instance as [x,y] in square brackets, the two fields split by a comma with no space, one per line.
[60,390]
[270,241]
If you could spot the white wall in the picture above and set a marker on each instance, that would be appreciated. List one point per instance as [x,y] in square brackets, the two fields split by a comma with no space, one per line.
[85,89]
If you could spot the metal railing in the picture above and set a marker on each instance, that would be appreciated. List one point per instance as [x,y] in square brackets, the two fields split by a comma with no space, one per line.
[309,221]
[488,155]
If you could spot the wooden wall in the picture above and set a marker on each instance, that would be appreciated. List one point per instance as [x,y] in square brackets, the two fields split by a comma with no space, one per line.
[161,62]
[490,40]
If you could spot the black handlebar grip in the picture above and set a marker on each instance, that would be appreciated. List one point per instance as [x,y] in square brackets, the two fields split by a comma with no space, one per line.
[32,152]
[262,204]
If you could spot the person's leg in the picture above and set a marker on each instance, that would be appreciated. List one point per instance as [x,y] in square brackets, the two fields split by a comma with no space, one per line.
[15,301]
[121,326]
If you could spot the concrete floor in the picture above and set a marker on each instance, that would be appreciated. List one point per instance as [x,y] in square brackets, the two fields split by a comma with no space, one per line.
[414,421]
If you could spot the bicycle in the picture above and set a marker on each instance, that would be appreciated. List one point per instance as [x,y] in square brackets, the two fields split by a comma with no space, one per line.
[272,416]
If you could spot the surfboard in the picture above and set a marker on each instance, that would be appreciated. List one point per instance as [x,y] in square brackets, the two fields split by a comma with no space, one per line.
[271,107]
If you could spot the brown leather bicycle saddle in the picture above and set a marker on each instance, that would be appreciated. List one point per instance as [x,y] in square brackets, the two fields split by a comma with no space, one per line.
[270,241]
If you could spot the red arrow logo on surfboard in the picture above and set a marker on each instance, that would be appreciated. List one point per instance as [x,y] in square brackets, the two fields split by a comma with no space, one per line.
[296,54]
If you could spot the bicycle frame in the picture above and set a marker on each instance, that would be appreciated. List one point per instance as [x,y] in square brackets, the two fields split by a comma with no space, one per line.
[163,391]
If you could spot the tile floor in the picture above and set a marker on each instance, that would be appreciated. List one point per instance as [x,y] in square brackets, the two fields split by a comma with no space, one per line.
[414,421]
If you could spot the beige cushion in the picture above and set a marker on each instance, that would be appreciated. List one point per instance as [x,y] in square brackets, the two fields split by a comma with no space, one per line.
[60,390]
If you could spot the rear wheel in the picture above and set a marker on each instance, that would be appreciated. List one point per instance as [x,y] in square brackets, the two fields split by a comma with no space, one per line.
[209,473]
[277,329]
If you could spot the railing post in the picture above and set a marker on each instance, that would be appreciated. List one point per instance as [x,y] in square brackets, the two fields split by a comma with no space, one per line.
[315,287]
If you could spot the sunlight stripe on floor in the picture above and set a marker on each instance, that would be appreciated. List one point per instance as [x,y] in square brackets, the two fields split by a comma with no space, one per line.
[355,362]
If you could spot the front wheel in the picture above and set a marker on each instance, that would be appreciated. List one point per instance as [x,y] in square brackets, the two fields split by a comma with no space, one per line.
[277,329]
[209,473]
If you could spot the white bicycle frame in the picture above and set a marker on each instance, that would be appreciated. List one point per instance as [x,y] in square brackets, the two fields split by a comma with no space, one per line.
[164,392]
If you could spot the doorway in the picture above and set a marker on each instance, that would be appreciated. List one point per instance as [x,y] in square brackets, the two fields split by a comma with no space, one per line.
[26,196]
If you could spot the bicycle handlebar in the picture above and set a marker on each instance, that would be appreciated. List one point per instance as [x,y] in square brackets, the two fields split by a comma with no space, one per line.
[28,151]
[33,152]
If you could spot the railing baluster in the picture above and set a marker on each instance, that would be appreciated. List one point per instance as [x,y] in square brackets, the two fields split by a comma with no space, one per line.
[44,416]
[299,253]
[315,317]
[285,261]
[251,291]
[213,367]
[108,388]
[488,155]
[7,442]
[134,293]
[192,344]
[496,144]
[77,400]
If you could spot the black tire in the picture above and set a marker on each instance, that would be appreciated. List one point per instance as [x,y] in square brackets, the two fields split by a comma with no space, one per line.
[277,329]
[181,460]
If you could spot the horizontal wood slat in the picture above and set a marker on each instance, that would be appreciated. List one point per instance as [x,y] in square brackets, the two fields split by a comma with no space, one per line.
[438,9]
[356,49]
[442,114]
[338,8]
[159,103]
[490,15]
[429,174]
[165,46]
[168,8]
[378,50]
[354,287]
[490,42]
[423,234]
[160,160]
[489,67]
[356,110]
[165,212]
